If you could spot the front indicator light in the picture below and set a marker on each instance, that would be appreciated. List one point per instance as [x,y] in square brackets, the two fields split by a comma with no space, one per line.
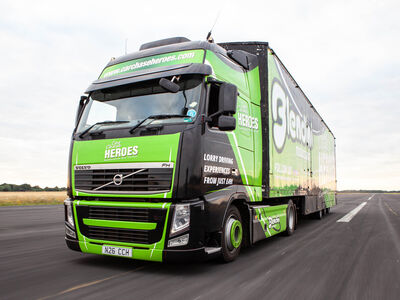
[181,219]
[179,241]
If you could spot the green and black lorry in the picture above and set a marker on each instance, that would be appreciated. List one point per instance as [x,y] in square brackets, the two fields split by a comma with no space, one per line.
[191,150]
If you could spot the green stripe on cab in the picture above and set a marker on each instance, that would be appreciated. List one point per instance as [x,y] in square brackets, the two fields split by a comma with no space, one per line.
[120,224]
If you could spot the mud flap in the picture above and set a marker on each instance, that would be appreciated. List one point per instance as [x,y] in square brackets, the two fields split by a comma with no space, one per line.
[267,221]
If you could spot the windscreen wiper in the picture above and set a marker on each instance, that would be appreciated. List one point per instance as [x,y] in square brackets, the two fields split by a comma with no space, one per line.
[101,123]
[156,117]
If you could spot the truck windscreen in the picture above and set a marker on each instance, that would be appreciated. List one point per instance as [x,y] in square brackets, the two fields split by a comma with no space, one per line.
[126,106]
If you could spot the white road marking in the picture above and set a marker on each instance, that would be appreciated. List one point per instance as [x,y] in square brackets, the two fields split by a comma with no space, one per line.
[350,215]
[371,197]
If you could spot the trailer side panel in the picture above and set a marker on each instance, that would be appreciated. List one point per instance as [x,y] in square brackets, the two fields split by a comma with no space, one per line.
[301,146]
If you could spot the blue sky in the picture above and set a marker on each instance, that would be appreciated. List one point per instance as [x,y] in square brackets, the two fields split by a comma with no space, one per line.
[344,54]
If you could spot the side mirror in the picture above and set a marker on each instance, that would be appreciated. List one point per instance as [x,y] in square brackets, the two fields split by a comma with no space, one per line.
[227,98]
[80,108]
[226,123]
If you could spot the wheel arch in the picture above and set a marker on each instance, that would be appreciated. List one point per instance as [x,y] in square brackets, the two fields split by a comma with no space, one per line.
[239,200]
[245,212]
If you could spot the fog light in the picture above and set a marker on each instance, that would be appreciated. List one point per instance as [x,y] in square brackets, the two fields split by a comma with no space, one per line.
[70,232]
[179,241]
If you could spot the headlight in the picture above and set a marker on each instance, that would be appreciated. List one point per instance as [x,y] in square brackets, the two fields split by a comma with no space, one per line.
[181,219]
[70,215]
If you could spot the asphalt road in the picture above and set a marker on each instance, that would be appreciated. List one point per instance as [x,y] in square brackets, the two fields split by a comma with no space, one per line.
[324,259]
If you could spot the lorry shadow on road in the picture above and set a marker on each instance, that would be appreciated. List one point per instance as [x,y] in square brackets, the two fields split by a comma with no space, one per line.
[275,244]
[109,262]
[123,264]
[280,241]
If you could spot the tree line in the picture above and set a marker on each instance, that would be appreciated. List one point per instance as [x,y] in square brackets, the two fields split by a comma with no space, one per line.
[9,187]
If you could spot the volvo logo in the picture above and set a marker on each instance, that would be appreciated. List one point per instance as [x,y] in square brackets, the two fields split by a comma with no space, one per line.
[117,179]
[82,167]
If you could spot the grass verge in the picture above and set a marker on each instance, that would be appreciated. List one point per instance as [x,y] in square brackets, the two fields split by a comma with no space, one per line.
[31,198]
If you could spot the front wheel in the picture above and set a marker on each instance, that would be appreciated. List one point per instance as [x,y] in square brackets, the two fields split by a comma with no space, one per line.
[232,235]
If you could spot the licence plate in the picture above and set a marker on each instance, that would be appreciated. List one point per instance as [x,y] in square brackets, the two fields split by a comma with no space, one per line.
[117,251]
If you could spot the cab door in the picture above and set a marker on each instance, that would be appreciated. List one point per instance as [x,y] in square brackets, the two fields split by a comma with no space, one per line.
[244,138]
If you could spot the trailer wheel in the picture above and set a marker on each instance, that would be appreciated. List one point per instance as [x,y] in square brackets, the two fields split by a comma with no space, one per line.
[328,210]
[290,218]
[232,235]
[319,214]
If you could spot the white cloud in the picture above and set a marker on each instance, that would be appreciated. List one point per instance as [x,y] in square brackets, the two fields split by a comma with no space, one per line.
[344,54]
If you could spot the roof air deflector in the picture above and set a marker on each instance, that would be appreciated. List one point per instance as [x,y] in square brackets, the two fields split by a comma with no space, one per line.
[164,42]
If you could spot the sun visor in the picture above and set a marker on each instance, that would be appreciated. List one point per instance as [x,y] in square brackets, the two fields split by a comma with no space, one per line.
[149,74]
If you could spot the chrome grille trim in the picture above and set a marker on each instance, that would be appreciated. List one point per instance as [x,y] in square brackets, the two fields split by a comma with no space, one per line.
[123,192]
[133,178]
[147,165]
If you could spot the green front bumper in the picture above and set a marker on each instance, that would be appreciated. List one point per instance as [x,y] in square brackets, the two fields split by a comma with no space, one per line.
[142,251]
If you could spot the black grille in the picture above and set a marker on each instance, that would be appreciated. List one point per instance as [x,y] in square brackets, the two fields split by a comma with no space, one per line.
[147,215]
[118,235]
[147,180]
[119,214]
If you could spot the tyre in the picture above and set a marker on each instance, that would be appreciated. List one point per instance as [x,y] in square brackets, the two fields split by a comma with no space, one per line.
[232,235]
[290,218]
[319,214]
[328,210]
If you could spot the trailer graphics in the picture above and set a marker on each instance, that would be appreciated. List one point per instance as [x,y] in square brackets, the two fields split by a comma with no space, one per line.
[191,150]
[298,167]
